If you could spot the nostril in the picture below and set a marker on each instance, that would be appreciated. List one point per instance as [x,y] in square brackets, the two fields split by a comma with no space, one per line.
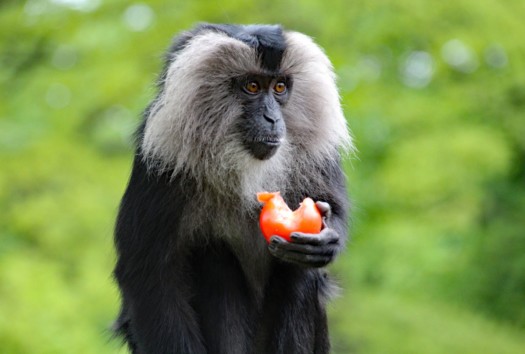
[270,118]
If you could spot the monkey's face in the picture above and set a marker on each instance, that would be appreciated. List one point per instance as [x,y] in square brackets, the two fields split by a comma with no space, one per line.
[261,125]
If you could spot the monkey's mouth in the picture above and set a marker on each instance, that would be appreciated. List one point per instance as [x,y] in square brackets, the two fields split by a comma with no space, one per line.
[264,147]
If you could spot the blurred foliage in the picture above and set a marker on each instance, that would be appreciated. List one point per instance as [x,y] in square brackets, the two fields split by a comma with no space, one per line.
[434,94]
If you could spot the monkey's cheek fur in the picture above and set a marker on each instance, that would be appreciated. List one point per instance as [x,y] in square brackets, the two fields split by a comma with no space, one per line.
[263,150]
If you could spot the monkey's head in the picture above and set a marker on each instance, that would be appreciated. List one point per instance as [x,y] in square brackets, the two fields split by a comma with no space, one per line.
[243,102]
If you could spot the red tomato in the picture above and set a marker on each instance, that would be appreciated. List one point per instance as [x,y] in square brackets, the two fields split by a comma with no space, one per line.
[277,219]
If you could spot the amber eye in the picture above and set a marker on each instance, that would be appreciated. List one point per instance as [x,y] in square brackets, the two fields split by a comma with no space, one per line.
[280,87]
[252,87]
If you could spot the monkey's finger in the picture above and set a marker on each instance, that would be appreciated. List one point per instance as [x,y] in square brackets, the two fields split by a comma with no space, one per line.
[326,236]
[305,260]
[277,240]
[306,249]
[324,208]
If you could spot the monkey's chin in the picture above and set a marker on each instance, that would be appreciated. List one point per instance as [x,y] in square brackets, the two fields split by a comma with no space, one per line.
[263,150]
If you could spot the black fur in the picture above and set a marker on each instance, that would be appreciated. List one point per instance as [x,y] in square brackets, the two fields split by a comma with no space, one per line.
[268,40]
[181,296]
[207,293]
[270,45]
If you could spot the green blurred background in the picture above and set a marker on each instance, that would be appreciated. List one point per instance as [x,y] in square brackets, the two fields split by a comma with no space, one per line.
[434,93]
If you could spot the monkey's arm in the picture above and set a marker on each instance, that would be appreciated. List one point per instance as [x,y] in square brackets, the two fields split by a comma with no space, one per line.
[157,315]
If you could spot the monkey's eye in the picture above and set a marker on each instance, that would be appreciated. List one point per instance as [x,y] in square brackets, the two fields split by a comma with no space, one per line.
[252,87]
[280,87]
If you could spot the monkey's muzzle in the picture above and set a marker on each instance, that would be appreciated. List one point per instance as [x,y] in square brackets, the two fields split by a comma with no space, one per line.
[264,148]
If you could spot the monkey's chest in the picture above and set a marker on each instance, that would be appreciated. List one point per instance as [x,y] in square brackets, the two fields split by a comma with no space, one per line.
[234,315]
[222,270]
[226,297]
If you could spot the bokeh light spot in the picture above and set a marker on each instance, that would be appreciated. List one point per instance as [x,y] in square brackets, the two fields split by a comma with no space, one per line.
[58,96]
[496,56]
[79,5]
[370,68]
[64,58]
[138,17]
[417,69]
[459,56]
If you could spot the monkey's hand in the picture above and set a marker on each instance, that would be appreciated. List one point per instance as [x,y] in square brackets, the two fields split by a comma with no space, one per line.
[309,250]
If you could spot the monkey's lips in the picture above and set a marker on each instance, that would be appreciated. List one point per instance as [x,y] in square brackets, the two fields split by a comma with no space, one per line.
[263,148]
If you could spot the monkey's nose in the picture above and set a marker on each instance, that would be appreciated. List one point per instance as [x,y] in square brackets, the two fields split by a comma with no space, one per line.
[271,119]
